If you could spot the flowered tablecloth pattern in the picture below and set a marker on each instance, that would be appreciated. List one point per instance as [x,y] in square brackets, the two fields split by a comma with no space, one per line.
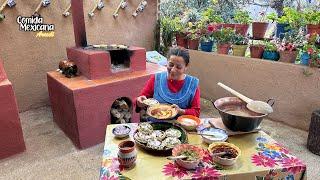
[261,158]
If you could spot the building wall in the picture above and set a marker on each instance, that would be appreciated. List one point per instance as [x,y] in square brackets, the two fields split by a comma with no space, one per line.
[296,94]
[27,58]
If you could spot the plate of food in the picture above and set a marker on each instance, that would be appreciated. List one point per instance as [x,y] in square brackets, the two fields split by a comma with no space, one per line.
[162,111]
[192,155]
[159,137]
[189,122]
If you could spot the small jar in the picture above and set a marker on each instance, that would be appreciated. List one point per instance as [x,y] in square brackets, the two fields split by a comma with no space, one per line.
[127,154]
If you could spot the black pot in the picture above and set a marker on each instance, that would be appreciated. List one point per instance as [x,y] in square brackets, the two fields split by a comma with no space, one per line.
[246,120]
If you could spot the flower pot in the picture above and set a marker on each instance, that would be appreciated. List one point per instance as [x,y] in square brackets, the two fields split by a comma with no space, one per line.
[239,50]
[206,46]
[181,40]
[288,56]
[242,29]
[304,59]
[225,25]
[259,29]
[127,154]
[311,28]
[223,48]
[281,30]
[193,44]
[271,55]
[256,51]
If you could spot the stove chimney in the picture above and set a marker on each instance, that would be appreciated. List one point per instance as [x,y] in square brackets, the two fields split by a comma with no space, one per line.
[78,23]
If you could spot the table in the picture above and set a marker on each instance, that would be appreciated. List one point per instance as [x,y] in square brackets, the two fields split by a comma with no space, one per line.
[262,158]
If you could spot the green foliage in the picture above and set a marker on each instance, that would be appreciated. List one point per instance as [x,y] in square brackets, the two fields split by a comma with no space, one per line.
[211,16]
[270,46]
[193,31]
[242,17]
[167,32]
[224,35]
[312,16]
[239,39]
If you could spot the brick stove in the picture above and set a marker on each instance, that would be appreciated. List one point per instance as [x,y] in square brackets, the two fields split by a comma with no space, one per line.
[81,105]
[11,137]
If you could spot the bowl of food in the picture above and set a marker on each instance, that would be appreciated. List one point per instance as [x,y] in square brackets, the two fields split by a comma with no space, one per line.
[193,155]
[224,153]
[159,138]
[150,102]
[162,111]
[210,135]
[189,122]
[121,131]
[236,116]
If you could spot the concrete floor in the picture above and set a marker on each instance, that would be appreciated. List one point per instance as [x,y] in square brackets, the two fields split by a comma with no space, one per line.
[51,155]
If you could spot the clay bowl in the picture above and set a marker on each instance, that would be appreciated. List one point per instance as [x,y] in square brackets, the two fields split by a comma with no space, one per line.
[154,110]
[121,131]
[227,160]
[187,164]
[189,122]
[236,116]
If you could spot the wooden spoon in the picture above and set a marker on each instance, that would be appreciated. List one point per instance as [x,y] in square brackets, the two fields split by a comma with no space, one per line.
[176,157]
[255,106]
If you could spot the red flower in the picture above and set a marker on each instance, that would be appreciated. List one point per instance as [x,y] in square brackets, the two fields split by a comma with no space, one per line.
[212,28]
[261,160]
[174,170]
[207,157]
[206,173]
[293,165]
[109,178]
[310,51]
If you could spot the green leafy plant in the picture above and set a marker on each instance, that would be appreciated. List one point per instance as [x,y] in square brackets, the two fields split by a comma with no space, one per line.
[311,16]
[179,26]
[224,35]
[193,33]
[239,39]
[211,16]
[167,32]
[290,16]
[270,46]
[242,17]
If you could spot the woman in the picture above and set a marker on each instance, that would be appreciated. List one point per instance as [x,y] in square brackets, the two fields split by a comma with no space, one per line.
[174,86]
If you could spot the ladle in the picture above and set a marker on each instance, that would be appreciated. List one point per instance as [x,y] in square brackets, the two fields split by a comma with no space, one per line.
[253,105]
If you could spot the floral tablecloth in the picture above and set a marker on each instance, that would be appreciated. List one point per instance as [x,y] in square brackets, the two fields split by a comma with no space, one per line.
[262,158]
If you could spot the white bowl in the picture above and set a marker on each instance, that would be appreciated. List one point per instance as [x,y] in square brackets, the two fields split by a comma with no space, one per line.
[220,135]
[121,131]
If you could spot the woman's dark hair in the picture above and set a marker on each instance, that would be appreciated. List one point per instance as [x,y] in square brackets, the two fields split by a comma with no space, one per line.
[180,51]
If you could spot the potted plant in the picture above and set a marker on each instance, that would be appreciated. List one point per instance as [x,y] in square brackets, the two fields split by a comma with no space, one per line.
[312,19]
[270,51]
[291,19]
[242,20]
[180,32]
[256,50]
[309,51]
[259,28]
[206,40]
[240,45]
[223,37]
[193,36]
[288,46]
[213,19]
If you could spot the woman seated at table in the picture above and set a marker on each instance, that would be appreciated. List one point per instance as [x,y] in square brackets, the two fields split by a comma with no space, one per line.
[174,86]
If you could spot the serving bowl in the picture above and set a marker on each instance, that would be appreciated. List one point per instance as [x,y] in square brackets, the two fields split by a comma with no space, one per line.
[220,135]
[189,122]
[121,131]
[183,149]
[231,150]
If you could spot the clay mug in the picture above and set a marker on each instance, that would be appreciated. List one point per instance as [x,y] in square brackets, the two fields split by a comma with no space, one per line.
[127,154]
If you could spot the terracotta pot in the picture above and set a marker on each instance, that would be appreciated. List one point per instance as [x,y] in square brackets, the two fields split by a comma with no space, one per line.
[311,28]
[193,44]
[223,48]
[259,29]
[242,29]
[256,51]
[239,50]
[181,40]
[288,56]
[232,26]
[127,154]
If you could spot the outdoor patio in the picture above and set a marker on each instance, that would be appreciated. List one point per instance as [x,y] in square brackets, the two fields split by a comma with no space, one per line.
[51,155]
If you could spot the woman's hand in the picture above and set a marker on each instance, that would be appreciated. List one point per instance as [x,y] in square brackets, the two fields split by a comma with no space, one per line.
[180,111]
[140,100]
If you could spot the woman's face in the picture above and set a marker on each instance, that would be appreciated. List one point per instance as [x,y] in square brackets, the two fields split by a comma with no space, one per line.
[176,67]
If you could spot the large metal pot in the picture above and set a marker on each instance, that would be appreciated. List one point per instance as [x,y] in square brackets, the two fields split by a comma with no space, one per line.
[236,116]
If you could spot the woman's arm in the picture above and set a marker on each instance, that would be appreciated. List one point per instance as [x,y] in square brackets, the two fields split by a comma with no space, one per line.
[147,92]
[195,105]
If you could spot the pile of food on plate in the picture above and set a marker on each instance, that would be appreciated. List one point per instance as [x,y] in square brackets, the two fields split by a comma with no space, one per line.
[162,111]
[157,139]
